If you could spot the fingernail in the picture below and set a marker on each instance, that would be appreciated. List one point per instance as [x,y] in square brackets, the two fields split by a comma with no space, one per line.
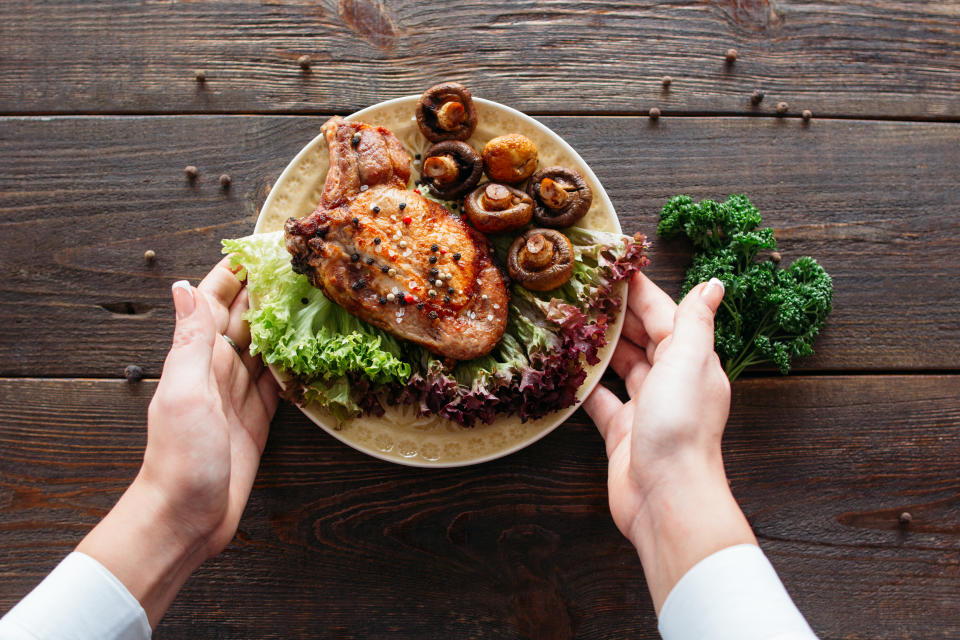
[713,284]
[183,300]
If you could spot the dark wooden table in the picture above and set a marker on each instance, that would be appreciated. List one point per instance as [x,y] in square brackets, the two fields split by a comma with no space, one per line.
[101,112]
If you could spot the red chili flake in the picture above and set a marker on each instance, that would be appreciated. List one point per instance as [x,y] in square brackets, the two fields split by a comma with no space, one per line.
[408,299]
[416,190]
[443,252]
[407,219]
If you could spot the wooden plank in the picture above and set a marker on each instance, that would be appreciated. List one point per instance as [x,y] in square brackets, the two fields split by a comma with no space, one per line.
[336,543]
[81,199]
[880,58]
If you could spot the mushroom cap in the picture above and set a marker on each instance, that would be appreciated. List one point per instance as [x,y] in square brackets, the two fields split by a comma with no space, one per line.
[468,162]
[430,103]
[510,158]
[556,272]
[491,220]
[579,197]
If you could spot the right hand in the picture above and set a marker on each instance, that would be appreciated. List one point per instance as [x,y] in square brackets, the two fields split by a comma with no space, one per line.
[668,490]
[679,394]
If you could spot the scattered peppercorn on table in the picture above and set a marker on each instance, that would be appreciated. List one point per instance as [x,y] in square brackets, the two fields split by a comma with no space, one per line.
[134,137]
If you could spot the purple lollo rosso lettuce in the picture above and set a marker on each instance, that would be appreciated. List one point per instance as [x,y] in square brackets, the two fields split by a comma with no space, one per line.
[351,368]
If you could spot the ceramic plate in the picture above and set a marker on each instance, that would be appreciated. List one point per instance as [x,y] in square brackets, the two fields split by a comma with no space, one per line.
[401,436]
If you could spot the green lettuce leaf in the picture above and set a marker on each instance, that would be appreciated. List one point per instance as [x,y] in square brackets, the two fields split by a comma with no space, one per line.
[297,328]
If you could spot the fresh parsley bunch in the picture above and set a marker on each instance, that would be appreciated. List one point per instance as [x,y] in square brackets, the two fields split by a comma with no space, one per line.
[769,313]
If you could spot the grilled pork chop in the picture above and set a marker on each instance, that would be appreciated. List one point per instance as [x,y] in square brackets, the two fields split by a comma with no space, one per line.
[394,258]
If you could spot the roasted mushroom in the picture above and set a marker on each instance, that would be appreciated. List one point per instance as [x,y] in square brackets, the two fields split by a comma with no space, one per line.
[541,259]
[494,208]
[561,196]
[446,112]
[510,158]
[451,169]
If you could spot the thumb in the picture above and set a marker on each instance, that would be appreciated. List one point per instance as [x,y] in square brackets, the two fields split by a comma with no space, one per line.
[693,324]
[194,334]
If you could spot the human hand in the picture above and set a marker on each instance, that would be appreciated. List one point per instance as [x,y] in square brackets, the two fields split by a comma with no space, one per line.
[679,394]
[208,421]
[207,425]
[668,491]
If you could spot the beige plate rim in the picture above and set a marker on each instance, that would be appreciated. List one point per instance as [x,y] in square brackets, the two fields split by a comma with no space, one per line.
[326,422]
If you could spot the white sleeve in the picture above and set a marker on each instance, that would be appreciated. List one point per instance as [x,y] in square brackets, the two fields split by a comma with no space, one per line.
[79,600]
[734,594]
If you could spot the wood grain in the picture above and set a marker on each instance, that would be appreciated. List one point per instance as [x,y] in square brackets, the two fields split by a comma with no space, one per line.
[336,544]
[885,58]
[81,199]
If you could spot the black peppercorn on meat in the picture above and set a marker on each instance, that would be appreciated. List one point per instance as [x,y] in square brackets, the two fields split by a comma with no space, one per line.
[360,215]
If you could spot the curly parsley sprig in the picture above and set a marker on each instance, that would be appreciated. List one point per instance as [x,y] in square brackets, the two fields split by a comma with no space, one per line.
[769,313]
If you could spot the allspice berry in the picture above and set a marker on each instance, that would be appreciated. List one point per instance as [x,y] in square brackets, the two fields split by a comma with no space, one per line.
[731,56]
[133,373]
[905,518]
[757,97]
[225,181]
[654,113]
[149,255]
[807,114]
[200,76]
[782,107]
[191,172]
[667,81]
[304,62]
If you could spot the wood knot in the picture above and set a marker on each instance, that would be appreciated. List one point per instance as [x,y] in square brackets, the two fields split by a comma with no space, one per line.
[754,15]
[540,608]
[370,21]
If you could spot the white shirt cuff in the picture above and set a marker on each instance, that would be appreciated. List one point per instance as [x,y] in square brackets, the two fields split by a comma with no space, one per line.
[734,594]
[79,600]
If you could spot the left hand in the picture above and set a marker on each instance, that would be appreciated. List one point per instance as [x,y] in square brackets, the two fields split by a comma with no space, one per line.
[209,418]
[206,429]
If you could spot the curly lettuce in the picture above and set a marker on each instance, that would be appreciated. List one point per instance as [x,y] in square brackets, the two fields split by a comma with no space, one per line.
[294,326]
